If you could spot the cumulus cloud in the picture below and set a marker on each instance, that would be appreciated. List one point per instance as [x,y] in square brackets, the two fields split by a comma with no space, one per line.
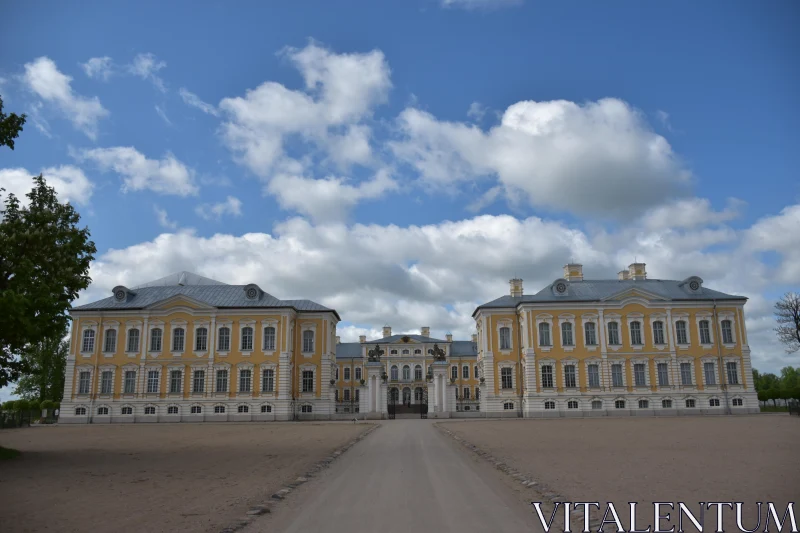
[46,81]
[164,176]
[779,233]
[98,68]
[146,66]
[193,100]
[599,158]
[691,213]
[70,183]
[231,206]
[163,218]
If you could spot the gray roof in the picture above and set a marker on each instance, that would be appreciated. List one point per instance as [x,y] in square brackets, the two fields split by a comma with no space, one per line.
[598,290]
[215,294]
[181,278]
[464,348]
[394,339]
[348,350]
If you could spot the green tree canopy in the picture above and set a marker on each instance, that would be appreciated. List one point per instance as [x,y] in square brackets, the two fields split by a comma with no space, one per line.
[10,126]
[46,363]
[44,263]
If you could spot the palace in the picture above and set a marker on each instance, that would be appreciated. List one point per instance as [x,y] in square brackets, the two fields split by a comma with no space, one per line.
[187,348]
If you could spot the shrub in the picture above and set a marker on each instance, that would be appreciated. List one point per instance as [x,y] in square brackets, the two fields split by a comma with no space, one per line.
[10,405]
[48,404]
[36,405]
[23,405]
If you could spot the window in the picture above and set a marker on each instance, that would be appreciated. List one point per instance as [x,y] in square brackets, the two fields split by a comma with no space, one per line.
[222,381]
[150,410]
[666,404]
[308,381]
[453,372]
[505,378]
[465,372]
[737,402]
[178,338]
[175,381]
[663,374]
[268,380]
[418,373]
[406,372]
[680,332]
[597,404]
[405,352]
[466,393]
[172,410]
[544,334]
[417,351]
[713,402]
[475,372]
[102,410]
[636,333]
[616,375]
[393,352]
[127,410]
[346,395]
[394,374]
[690,404]
[84,382]
[727,332]
[708,369]
[590,330]
[613,333]
[547,376]
[130,381]
[305,409]
[658,332]
[358,373]
[594,375]
[197,410]
[549,404]
[705,333]
[347,374]
[224,341]
[638,375]
[619,404]
[269,339]
[133,340]
[201,339]
[152,381]
[247,339]
[245,380]
[733,375]
[508,406]
[477,393]
[106,382]
[111,341]
[88,340]
[336,395]
[80,411]
[155,339]
[198,381]
[566,334]
[572,404]
[308,341]
[644,404]
[569,376]
[266,408]
[243,409]
[337,373]
[505,338]
[686,373]
[219,409]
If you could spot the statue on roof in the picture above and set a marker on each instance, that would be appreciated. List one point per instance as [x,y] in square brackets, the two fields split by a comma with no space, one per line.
[438,353]
[375,354]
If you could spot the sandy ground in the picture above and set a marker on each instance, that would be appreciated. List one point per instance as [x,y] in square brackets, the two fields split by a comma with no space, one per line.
[160,477]
[688,459]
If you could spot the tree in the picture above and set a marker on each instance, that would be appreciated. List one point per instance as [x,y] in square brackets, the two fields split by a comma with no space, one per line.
[44,263]
[10,126]
[46,363]
[787,315]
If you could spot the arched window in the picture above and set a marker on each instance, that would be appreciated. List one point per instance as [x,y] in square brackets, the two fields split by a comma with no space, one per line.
[219,409]
[549,404]
[591,333]
[613,333]
[247,339]
[201,339]
[465,372]
[172,410]
[243,409]
[505,338]
[197,410]
[102,410]
[133,340]
[127,410]
[111,341]
[619,404]
[727,332]
[658,332]
[393,375]
[566,334]
[346,374]
[269,338]
[88,342]
[572,404]
[418,373]
[308,341]
[405,352]
[406,372]
[636,333]
[644,404]
[597,404]
[358,373]
[80,411]
[155,339]
[178,337]
[418,394]
[680,332]
[453,372]
[544,334]
[224,341]
[705,332]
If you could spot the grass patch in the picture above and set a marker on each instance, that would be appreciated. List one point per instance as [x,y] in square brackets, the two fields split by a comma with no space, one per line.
[774,409]
[8,453]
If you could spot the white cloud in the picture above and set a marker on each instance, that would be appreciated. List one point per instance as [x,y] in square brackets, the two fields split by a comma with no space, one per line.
[781,234]
[476,111]
[146,66]
[690,213]
[70,183]
[663,117]
[193,100]
[600,158]
[164,176]
[486,199]
[43,78]
[163,218]
[231,206]
[480,4]
[98,68]
[160,112]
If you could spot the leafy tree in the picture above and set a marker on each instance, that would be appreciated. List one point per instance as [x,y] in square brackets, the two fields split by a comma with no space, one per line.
[10,126]
[787,315]
[46,364]
[44,263]
[762,396]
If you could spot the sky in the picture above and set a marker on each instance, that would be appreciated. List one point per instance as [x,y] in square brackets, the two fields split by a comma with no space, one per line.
[401,161]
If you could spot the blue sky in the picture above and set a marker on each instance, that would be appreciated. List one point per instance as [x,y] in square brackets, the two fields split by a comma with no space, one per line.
[368,154]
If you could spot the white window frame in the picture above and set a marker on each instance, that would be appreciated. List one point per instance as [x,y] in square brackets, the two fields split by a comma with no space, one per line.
[621,363]
[646,363]
[88,350]
[152,328]
[669,372]
[721,317]
[178,369]
[598,365]
[125,370]
[263,369]
[265,347]
[505,323]
[147,371]
[173,337]
[574,365]
[544,319]
[631,318]
[662,321]
[593,322]
[510,365]
[736,361]
[552,365]
[617,345]
[246,351]
[220,326]
[202,390]
[699,318]
[712,361]
[197,328]
[687,328]
[303,370]
[240,370]
[465,372]
[692,375]
[227,369]
[108,329]
[566,319]
[313,329]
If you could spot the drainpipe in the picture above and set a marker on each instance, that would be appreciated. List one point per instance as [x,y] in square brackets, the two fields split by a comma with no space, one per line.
[95,377]
[723,371]
[520,373]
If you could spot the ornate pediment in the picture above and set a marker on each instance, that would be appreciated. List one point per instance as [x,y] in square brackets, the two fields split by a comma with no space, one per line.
[180,300]
[634,293]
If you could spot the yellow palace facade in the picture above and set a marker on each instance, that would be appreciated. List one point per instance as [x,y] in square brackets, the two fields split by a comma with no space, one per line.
[190,349]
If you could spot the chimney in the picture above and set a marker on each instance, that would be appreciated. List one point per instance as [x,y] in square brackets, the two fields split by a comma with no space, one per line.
[637,271]
[449,337]
[387,331]
[425,331]
[338,339]
[573,272]
[623,274]
[475,338]
[516,287]
[362,339]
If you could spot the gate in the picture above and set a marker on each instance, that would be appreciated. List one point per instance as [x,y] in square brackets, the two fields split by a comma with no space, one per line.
[391,404]
[423,413]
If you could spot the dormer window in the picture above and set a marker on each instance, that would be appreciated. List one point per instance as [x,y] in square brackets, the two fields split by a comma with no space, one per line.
[692,285]
[560,287]
[122,293]
[252,291]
